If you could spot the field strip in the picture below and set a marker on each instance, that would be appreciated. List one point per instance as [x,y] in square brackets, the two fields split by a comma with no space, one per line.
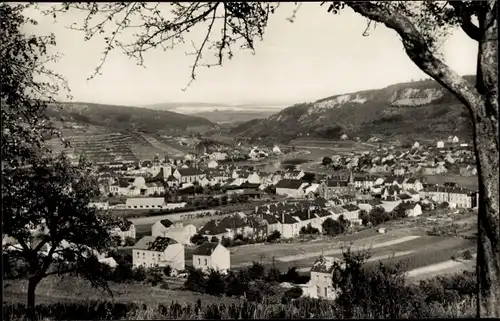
[298,257]
[436,267]
[375,258]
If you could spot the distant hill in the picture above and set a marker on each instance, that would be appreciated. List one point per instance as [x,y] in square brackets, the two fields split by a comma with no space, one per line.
[129,118]
[421,109]
[220,113]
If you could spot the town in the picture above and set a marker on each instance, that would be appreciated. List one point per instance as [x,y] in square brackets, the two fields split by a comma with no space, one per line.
[193,212]
[233,160]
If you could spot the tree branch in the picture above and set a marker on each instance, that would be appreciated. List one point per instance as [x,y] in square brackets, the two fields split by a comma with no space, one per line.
[465,16]
[419,52]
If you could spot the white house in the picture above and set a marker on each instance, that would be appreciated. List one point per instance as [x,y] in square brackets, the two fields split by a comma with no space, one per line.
[453,139]
[412,209]
[290,226]
[276,150]
[412,183]
[177,231]
[321,284]
[416,145]
[290,187]
[212,256]
[153,251]
[440,144]
[343,137]
[160,227]
[145,203]
[253,178]
[212,164]
[127,229]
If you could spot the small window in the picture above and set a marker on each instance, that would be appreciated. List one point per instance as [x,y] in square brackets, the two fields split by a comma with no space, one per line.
[199,261]
[206,263]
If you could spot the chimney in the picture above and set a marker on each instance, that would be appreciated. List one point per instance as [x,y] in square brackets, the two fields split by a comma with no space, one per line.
[309,213]
[282,217]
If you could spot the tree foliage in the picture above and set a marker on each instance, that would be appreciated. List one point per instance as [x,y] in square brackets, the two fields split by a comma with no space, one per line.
[45,199]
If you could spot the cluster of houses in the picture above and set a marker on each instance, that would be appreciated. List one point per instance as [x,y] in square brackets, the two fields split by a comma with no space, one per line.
[426,160]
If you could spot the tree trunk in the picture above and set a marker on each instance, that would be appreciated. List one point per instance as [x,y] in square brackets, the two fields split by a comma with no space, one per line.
[30,312]
[486,141]
[488,256]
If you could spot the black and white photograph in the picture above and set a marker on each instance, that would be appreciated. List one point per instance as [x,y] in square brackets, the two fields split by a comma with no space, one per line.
[250,160]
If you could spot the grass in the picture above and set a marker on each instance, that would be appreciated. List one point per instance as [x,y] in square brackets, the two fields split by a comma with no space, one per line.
[437,249]
[71,289]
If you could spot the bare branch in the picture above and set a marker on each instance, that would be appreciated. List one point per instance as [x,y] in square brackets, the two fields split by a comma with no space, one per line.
[466,24]
[419,51]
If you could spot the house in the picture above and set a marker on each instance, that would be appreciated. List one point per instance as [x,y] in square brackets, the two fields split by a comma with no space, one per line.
[154,189]
[125,230]
[399,171]
[181,234]
[392,190]
[290,226]
[290,188]
[212,164]
[343,137]
[295,174]
[453,139]
[228,227]
[440,144]
[212,256]
[172,181]
[276,150]
[152,251]
[416,145]
[188,175]
[337,187]
[412,183]
[160,227]
[273,224]
[321,283]
[145,203]
[253,178]
[351,213]
[218,156]
[411,209]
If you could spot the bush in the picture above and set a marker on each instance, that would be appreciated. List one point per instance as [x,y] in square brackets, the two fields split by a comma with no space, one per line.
[273,236]
[309,229]
[167,270]
[292,294]
[214,239]
[155,276]
[467,255]
[129,241]
[195,281]
[198,239]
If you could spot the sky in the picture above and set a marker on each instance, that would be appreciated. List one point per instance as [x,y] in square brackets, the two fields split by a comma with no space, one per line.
[316,56]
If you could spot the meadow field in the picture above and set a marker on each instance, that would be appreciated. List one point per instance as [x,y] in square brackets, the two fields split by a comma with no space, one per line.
[55,289]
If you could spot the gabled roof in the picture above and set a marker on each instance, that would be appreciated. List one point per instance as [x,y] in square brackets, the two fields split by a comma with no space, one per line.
[189,171]
[331,183]
[154,243]
[171,178]
[287,219]
[270,219]
[350,207]
[325,264]
[289,183]
[206,249]
[167,223]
